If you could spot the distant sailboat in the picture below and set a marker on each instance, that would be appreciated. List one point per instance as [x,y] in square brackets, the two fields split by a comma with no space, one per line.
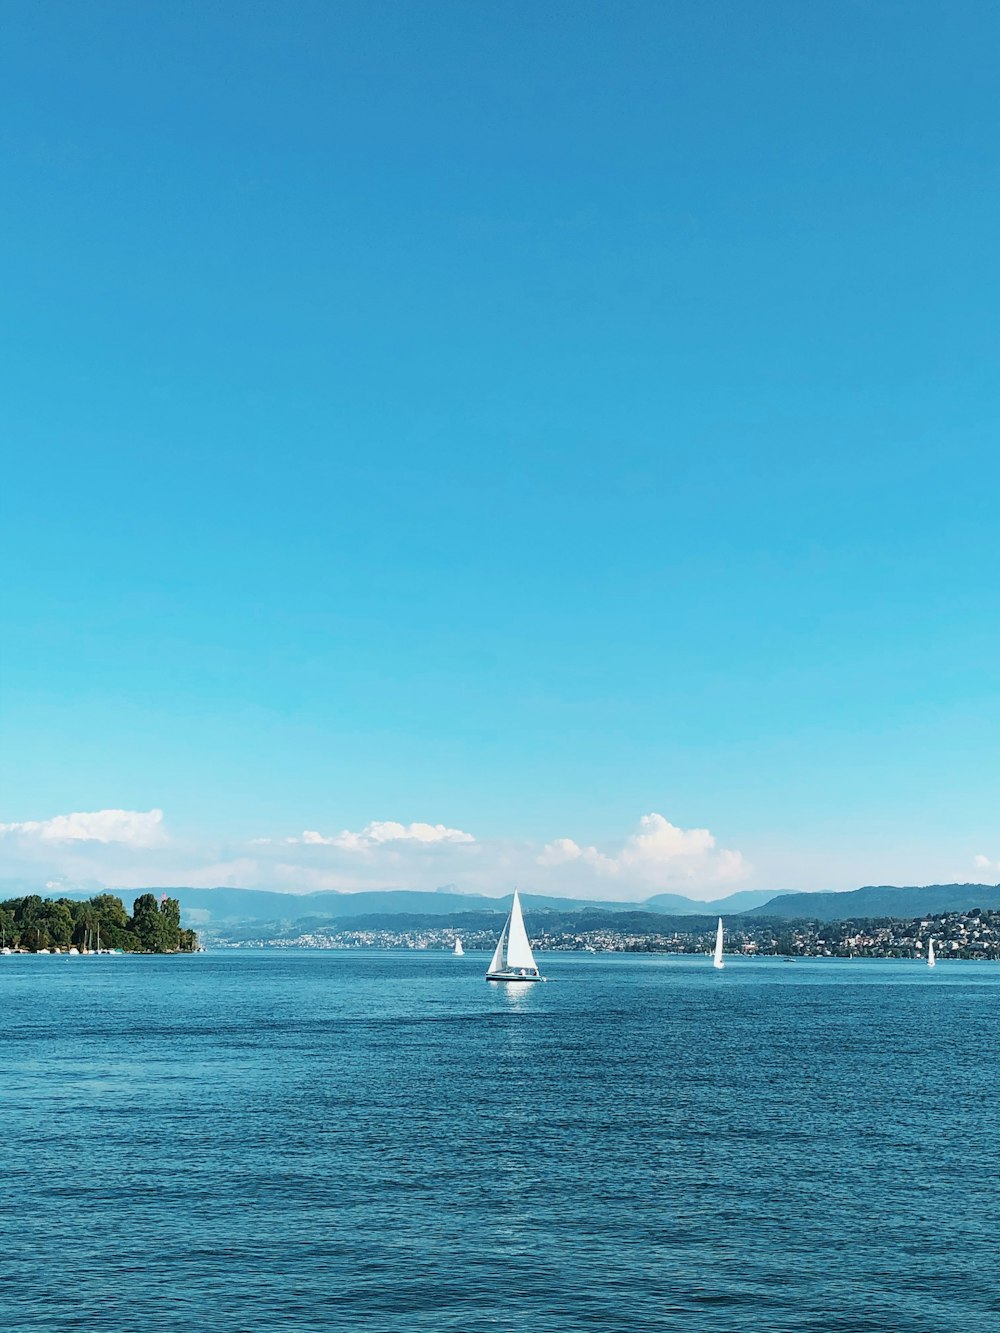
[512,958]
[717,958]
[931,960]
[459,951]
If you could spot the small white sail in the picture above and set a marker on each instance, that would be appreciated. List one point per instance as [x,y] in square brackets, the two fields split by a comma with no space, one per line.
[496,962]
[459,951]
[717,959]
[518,948]
[931,960]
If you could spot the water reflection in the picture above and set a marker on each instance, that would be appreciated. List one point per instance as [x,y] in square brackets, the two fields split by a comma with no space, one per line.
[516,992]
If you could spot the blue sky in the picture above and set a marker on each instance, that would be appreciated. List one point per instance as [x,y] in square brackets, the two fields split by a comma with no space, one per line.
[515,419]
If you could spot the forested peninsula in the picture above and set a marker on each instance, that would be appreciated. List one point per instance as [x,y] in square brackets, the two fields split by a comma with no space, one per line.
[60,925]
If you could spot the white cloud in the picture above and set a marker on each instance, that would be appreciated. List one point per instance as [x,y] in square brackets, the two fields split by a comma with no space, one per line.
[379,832]
[564,850]
[983,863]
[658,854]
[133,828]
[129,849]
[559,852]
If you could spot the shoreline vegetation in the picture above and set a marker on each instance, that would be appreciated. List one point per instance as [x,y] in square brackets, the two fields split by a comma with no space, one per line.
[33,924]
[96,925]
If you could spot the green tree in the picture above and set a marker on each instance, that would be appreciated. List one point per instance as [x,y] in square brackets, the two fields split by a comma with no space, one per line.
[147,924]
[58,921]
[33,935]
[84,925]
[113,920]
[170,923]
[29,922]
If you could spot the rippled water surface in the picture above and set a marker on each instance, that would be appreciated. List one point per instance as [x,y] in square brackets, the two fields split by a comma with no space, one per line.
[345,1141]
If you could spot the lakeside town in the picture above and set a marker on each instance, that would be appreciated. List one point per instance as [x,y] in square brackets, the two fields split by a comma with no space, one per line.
[972,935]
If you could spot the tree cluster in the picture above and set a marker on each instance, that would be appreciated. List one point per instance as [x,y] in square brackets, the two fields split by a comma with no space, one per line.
[35,923]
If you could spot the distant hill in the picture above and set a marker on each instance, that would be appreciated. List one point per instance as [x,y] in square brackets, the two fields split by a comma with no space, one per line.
[471,923]
[881,900]
[218,909]
[676,905]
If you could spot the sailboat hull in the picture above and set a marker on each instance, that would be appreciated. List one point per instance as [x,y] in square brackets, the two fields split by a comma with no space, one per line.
[509,974]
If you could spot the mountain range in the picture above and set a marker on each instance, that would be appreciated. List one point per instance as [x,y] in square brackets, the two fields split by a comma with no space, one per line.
[880,901]
[215,911]
[204,908]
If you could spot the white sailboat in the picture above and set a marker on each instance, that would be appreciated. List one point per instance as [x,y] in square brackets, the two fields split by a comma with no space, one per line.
[459,951]
[931,960]
[717,956]
[512,958]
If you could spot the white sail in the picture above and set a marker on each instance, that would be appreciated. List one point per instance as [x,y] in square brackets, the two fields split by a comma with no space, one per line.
[459,951]
[717,960]
[931,960]
[496,962]
[518,949]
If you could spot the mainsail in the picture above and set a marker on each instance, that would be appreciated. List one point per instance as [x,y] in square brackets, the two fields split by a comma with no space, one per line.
[931,960]
[459,951]
[518,949]
[717,960]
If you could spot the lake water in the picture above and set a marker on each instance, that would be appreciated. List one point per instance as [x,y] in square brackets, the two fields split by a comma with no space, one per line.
[373,1140]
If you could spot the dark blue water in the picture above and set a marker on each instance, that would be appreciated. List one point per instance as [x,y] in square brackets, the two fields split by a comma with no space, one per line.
[344,1141]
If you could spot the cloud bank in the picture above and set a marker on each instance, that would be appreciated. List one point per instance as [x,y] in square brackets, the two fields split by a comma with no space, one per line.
[380,832]
[131,848]
[133,828]
[658,854]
